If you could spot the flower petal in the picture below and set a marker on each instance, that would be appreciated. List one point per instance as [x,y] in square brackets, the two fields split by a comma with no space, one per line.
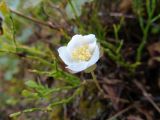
[78,40]
[90,38]
[95,57]
[63,53]
[77,67]
[92,47]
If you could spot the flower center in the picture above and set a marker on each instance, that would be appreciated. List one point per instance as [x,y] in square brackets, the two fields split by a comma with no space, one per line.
[81,53]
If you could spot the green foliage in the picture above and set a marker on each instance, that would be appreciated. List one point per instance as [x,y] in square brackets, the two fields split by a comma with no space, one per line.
[41,91]
[74,8]
[150,7]
[138,7]
[28,48]
[114,51]
[44,62]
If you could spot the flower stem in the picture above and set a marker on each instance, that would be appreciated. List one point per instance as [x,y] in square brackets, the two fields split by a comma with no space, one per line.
[96,82]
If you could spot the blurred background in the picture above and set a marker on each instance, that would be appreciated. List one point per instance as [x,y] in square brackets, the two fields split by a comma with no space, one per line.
[32,30]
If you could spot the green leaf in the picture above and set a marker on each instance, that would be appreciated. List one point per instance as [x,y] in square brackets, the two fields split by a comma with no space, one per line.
[26,93]
[31,84]
[75,8]
[60,75]
[14,114]
[30,94]
[66,77]
[29,50]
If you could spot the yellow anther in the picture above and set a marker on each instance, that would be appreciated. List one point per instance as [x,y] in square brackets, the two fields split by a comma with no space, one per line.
[81,53]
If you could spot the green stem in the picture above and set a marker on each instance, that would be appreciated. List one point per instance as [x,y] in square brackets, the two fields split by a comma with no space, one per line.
[64,101]
[150,10]
[144,39]
[14,32]
[155,18]
[96,82]
[77,21]
[25,111]
[73,8]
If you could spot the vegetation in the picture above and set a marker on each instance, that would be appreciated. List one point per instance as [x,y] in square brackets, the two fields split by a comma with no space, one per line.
[123,85]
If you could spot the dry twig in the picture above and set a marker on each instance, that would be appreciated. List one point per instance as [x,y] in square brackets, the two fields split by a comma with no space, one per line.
[147,95]
[48,24]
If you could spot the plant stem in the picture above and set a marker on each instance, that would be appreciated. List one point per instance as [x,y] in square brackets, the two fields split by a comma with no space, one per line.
[96,82]
[73,8]
[48,24]
[14,32]
[144,40]
[150,11]
[155,18]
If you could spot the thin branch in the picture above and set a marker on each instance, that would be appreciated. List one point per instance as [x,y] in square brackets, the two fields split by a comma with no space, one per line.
[116,98]
[7,52]
[14,32]
[122,112]
[147,95]
[96,82]
[112,14]
[119,15]
[155,18]
[48,24]
[89,81]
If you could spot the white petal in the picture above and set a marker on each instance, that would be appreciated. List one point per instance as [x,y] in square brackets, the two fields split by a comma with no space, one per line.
[91,41]
[92,47]
[95,57]
[77,67]
[90,38]
[78,40]
[63,53]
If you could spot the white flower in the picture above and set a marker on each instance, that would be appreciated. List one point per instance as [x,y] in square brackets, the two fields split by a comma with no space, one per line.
[80,53]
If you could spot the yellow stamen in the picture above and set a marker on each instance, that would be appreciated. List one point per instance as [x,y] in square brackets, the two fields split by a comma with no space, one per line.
[81,53]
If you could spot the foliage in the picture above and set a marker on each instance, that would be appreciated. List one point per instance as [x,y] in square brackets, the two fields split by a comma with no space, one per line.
[33,78]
